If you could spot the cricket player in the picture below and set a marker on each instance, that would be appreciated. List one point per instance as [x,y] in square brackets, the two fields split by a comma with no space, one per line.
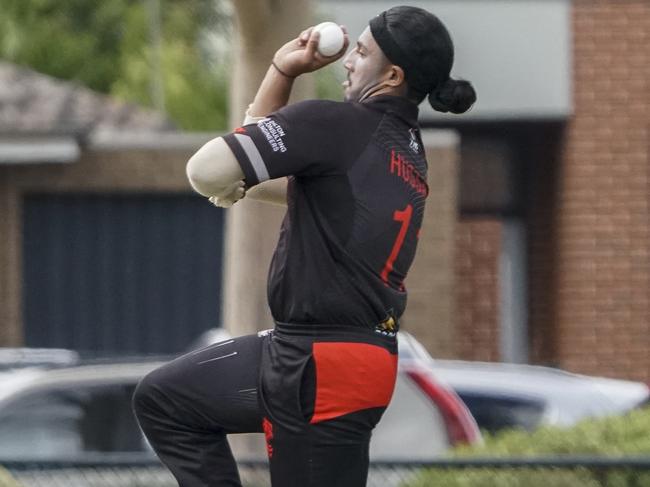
[353,176]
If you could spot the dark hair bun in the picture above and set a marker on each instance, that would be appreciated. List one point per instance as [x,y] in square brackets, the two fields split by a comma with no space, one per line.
[455,96]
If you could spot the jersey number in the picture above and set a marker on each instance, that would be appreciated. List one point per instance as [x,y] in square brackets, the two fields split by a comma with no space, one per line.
[404,217]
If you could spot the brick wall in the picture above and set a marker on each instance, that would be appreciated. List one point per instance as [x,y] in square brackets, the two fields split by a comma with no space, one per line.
[10,332]
[478,243]
[602,281]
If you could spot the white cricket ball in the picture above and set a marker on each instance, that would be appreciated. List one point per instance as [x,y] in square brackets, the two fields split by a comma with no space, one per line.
[331,38]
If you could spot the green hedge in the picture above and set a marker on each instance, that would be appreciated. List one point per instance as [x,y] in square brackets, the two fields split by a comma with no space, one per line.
[618,436]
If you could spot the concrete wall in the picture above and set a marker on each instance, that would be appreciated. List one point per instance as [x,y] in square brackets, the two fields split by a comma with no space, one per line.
[515,52]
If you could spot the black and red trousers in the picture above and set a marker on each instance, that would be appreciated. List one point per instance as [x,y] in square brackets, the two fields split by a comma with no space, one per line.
[315,391]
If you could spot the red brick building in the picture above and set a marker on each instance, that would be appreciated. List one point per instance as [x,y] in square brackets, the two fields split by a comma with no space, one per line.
[588,216]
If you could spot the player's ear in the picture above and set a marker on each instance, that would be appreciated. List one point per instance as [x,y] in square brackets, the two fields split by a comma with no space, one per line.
[396,76]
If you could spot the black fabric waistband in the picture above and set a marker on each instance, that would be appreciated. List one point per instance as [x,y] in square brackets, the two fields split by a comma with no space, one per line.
[336,331]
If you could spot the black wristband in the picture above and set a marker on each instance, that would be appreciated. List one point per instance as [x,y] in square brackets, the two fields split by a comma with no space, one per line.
[281,72]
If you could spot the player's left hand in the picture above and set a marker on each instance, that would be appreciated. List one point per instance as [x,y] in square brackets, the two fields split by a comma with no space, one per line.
[301,55]
[230,196]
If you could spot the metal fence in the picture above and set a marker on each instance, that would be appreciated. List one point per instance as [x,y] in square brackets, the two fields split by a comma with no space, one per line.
[474,472]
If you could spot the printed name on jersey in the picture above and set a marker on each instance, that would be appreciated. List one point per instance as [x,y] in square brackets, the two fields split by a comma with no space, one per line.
[273,133]
[406,171]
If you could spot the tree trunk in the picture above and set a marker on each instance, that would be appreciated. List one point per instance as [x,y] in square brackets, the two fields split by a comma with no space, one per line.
[262,26]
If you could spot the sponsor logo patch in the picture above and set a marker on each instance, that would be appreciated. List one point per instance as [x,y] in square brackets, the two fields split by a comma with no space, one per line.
[388,327]
[273,133]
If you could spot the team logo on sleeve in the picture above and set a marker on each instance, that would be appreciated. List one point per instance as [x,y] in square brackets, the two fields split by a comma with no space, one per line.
[273,133]
[414,145]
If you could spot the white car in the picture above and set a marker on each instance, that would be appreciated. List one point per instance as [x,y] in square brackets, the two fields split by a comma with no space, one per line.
[504,396]
[55,411]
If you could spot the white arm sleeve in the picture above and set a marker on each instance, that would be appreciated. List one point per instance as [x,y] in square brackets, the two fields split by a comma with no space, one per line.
[272,191]
[213,170]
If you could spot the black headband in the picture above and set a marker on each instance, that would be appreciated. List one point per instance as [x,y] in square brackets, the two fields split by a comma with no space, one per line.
[397,55]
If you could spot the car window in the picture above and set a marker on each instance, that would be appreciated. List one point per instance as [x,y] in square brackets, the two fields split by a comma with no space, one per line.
[495,413]
[70,423]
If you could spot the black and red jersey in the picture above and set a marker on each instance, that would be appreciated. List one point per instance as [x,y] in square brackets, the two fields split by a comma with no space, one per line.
[357,187]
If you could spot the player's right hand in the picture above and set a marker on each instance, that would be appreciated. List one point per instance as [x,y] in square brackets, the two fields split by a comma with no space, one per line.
[230,196]
[301,55]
